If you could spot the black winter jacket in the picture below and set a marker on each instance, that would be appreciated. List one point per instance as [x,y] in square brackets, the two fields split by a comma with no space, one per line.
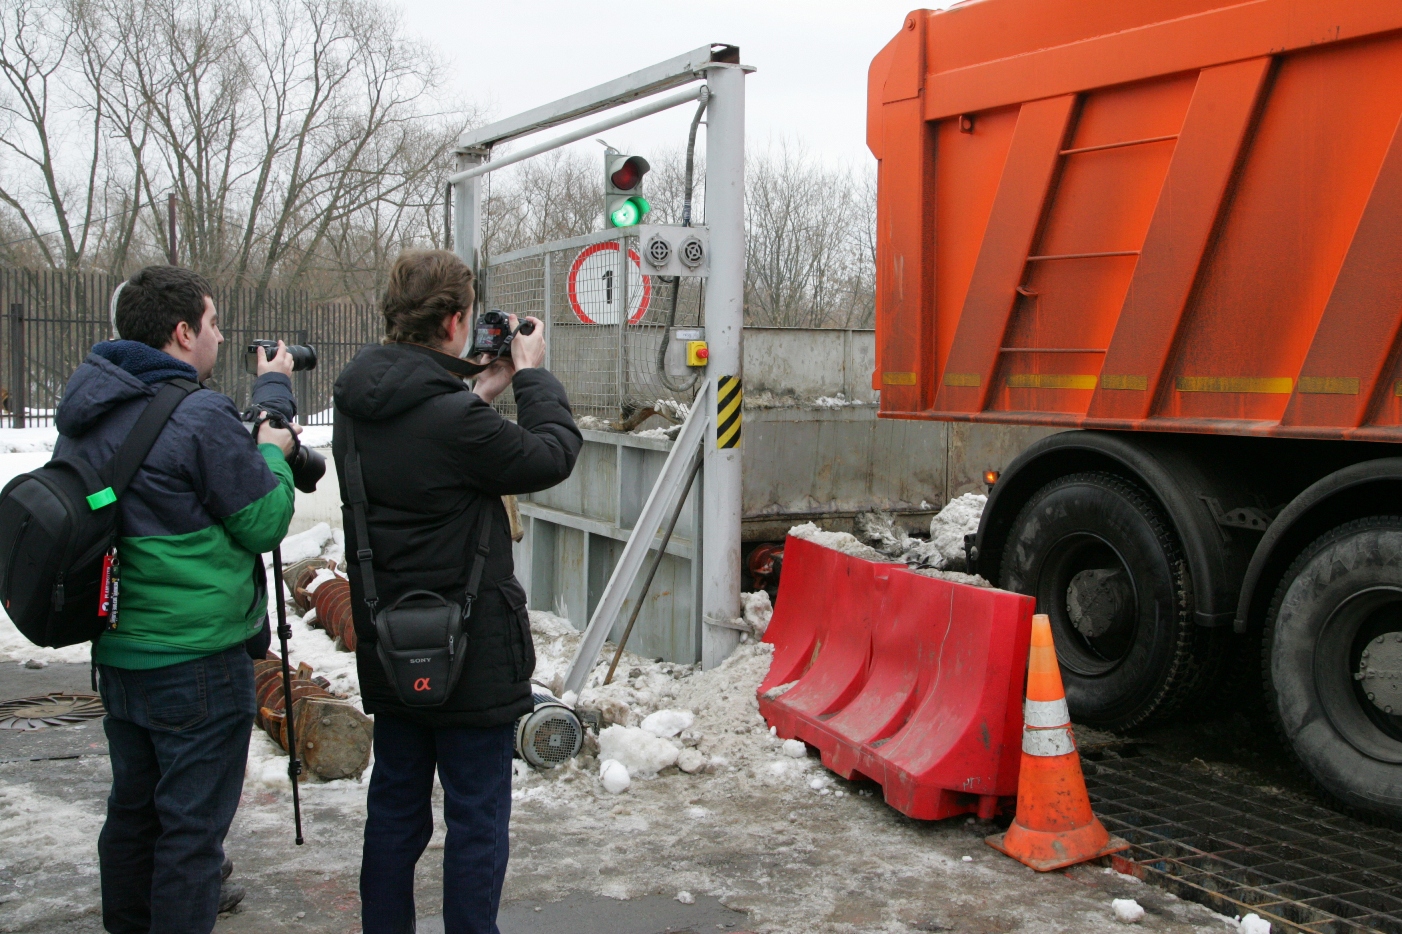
[435,458]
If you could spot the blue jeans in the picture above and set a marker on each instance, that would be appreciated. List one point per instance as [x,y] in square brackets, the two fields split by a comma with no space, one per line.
[474,767]
[178,737]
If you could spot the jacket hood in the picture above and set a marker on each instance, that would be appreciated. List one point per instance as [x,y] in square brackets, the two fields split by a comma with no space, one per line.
[385,380]
[115,372]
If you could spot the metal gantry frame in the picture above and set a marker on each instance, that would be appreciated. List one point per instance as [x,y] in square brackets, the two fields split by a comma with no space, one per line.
[718,65]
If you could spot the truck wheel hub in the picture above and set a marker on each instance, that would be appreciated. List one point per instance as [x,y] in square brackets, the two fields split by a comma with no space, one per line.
[1380,670]
[1098,600]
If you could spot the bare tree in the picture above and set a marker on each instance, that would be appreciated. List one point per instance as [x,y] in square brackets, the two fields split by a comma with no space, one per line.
[806,266]
[288,129]
[51,180]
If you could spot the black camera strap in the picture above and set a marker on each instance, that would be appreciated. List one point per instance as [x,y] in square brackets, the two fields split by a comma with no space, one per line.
[365,556]
[455,365]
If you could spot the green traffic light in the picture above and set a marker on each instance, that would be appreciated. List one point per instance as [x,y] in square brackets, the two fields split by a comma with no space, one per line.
[625,215]
[629,212]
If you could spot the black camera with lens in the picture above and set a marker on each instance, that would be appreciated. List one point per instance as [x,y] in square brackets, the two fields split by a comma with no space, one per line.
[308,466]
[303,355]
[493,335]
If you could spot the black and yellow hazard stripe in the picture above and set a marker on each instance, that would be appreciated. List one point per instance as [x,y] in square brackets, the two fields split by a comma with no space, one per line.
[729,397]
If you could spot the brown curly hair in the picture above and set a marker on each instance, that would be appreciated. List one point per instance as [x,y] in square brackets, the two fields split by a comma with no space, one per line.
[425,288]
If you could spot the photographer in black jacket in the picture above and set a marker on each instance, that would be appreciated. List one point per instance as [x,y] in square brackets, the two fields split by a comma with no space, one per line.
[436,459]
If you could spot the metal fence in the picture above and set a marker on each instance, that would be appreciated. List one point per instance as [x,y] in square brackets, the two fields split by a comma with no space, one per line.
[54,318]
[608,362]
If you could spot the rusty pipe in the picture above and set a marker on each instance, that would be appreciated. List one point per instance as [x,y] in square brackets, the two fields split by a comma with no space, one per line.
[333,738]
[333,612]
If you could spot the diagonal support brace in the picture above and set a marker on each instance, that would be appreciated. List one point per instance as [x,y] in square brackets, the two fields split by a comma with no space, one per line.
[660,502]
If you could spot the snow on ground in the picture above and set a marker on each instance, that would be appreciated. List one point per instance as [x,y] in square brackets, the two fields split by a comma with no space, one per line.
[25,440]
[704,799]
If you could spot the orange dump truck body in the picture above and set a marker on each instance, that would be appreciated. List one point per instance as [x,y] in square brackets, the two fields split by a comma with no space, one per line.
[1177,215]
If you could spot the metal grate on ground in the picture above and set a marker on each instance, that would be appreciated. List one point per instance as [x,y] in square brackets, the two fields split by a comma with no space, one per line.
[1238,849]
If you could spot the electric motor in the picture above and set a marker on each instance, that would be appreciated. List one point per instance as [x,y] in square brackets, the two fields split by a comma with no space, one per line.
[549,735]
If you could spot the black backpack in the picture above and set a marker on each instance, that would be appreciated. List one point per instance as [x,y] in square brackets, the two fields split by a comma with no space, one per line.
[57,526]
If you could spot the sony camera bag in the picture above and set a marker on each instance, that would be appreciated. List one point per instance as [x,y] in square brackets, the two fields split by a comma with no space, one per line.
[58,525]
[420,637]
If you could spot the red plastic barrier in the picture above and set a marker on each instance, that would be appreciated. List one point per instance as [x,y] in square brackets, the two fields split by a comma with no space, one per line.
[911,681]
[804,607]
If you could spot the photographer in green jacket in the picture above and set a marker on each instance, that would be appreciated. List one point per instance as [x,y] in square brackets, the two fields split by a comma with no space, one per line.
[176,677]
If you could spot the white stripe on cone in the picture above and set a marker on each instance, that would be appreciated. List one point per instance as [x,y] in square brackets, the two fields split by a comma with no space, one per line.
[1057,742]
[1045,713]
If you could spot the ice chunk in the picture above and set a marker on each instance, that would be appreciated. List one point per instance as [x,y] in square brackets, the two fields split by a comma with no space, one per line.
[686,898]
[795,748]
[691,761]
[640,752]
[758,611]
[668,723]
[958,518]
[613,775]
[844,542]
[306,544]
[1128,911]
[1254,924]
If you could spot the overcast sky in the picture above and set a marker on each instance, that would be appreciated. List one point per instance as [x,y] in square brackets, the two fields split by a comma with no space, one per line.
[811,57]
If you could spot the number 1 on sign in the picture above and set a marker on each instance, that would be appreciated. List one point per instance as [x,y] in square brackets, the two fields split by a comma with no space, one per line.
[593,281]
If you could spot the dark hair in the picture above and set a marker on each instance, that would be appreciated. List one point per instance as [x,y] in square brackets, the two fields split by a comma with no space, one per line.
[158,298]
[425,288]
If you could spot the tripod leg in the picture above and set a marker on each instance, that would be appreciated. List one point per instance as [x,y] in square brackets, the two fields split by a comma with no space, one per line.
[284,632]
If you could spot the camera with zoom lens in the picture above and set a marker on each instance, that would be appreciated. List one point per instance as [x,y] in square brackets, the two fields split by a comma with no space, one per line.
[493,335]
[303,355]
[308,466]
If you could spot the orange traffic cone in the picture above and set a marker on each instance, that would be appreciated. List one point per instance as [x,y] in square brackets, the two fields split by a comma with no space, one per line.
[1054,826]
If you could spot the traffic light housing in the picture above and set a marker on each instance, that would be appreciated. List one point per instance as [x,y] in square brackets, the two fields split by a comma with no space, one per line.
[624,204]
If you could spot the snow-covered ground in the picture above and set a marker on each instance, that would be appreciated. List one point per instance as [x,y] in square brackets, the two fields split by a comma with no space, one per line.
[702,799]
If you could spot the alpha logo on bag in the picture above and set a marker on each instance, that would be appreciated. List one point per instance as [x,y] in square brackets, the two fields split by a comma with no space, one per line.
[421,684]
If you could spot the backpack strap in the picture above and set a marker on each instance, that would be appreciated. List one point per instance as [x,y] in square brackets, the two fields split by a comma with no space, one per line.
[149,425]
[355,493]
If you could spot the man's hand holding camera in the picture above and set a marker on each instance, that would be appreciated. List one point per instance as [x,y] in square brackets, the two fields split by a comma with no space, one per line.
[527,352]
[268,433]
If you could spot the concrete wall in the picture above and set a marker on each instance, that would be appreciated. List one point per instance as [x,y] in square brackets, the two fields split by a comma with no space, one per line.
[810,363]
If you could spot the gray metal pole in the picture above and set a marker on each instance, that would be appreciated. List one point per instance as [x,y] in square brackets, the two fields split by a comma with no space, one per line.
[725,215]
[19,371]
[467,213]
[622,302]
[547,307]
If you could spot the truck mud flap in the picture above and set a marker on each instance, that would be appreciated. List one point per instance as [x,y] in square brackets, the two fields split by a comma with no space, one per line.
[913,682]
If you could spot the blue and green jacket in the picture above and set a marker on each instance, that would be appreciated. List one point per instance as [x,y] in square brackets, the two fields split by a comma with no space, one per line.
[203,508]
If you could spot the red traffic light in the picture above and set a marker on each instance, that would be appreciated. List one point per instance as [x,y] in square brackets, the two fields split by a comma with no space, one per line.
[627,176]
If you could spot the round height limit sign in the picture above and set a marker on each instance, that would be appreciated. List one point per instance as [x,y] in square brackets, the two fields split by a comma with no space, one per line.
[594,295]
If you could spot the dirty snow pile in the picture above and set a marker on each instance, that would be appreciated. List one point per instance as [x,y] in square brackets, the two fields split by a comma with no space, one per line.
[942,555]
[667,723]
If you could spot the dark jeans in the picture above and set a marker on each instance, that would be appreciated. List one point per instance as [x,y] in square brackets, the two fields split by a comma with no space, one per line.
[178,737]
[474,767]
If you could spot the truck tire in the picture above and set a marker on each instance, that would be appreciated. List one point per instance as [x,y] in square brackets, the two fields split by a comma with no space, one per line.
[1332,663]
[1104,564]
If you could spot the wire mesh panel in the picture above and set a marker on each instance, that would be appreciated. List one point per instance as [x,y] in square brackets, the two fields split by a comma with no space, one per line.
[607,360]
